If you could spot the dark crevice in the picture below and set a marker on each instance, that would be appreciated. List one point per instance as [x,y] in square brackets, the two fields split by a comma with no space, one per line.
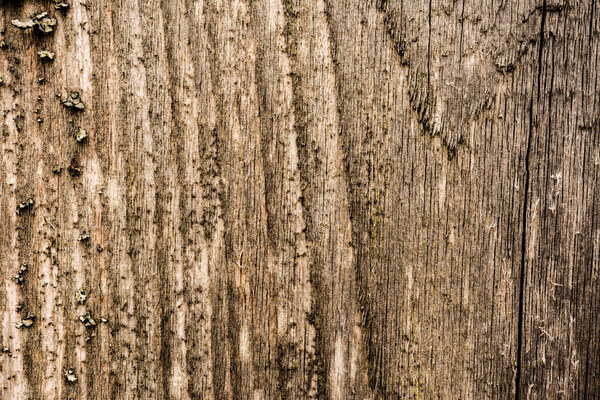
[221,295]
[525,210]
[308,160]
[462,26]
[429,48]
[590,49]
[162,203]
[593,318]
[358,215]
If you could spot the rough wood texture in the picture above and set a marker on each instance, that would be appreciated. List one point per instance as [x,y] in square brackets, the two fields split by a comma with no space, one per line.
[290,199]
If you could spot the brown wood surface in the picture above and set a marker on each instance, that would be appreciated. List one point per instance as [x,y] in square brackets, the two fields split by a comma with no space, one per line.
[291,199]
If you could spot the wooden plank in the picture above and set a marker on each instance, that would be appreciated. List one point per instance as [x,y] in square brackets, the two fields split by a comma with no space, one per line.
[301,199]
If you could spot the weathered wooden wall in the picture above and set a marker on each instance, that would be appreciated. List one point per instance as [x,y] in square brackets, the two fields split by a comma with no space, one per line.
[288,199]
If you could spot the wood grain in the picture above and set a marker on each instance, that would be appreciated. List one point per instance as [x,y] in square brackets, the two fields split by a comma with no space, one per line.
[291,199]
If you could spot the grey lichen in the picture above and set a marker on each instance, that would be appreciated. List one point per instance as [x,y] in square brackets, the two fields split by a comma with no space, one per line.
[46,55]
[26,322]
[29,23]
[19,278]
[80,134]
[73,101]
[42,21]
[24,206]
[80,296]
[60,5]
[84,237]
[70,376]
[45,23]
[87,320]
[57,169]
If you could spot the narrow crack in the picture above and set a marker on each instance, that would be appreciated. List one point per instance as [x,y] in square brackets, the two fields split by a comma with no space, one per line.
[524,216]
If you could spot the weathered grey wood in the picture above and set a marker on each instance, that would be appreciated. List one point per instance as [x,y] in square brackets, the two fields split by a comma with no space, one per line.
[294,199]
